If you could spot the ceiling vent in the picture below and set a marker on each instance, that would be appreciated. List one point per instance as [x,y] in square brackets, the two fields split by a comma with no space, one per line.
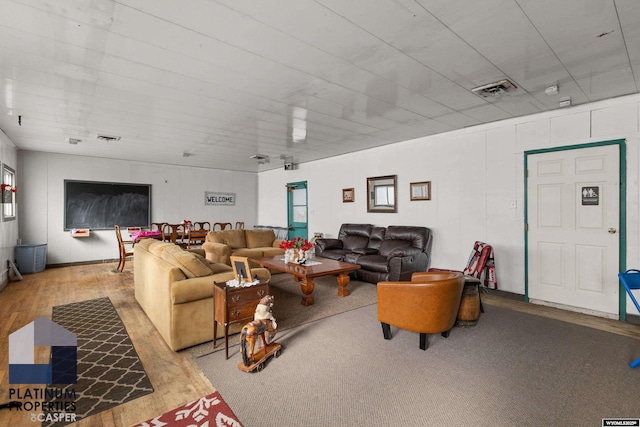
[496,89]
[261,158]
[108,138]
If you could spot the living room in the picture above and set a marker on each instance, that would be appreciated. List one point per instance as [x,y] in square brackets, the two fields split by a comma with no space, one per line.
[474,160]
[471,194]
[476,174]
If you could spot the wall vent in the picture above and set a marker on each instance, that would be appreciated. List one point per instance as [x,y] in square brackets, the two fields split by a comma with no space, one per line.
[496,89]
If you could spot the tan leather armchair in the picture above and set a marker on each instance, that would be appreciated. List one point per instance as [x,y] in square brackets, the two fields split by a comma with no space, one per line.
[428,304]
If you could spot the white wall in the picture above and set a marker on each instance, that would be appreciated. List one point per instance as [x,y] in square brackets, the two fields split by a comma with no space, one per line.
[477,178]
[8,229]
[177,194]
[476,174]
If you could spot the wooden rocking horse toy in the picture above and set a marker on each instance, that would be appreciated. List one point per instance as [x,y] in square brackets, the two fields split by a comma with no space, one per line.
[263,323]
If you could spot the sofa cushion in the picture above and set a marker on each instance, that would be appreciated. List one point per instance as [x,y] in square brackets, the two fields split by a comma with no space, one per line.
[376,238]
[267,252]
[374,263]
[354,235]
[389,246]
[400,237]
[218,267]
[158,247]
[145,243]
[249,253]
[233,238]
[259,238]
[191,264]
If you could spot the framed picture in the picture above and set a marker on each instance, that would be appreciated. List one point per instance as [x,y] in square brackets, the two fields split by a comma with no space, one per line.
[421,190]
[241,269]
[348,195]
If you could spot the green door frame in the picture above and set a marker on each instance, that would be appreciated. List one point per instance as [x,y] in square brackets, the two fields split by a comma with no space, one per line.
[622,249]
[297,229]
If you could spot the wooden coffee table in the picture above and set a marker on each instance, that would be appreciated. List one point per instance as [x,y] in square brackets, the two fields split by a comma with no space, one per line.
[306,273]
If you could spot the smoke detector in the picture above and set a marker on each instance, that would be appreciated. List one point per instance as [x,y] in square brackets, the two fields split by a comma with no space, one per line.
[493,90]
[108,138]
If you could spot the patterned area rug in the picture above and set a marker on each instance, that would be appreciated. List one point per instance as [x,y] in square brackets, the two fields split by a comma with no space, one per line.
[208,411]
[109,370]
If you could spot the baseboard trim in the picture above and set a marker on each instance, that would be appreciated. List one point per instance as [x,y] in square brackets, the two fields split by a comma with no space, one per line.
[504,294]
[73,264]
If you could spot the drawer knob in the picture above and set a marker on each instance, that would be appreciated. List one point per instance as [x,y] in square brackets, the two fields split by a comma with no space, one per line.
[236,313]
[262,292]
[235,298]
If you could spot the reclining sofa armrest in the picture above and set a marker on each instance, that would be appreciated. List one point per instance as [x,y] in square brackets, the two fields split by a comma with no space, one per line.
[326,243]
[217,252]
[402,252]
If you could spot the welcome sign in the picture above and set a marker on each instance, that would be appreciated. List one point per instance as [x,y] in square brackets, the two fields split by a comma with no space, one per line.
[219,199]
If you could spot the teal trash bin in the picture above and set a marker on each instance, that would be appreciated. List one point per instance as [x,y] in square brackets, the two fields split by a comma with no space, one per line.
[31,258]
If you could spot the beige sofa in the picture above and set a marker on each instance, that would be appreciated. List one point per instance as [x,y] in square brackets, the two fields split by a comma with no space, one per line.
[220,245]
[174,287]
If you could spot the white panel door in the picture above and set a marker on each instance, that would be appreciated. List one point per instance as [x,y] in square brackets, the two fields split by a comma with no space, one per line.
[573,216]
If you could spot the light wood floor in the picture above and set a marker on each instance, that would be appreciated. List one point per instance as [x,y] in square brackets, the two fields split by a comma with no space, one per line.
[175,377]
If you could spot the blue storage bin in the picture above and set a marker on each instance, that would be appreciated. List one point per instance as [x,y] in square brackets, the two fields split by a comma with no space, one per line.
[31,258]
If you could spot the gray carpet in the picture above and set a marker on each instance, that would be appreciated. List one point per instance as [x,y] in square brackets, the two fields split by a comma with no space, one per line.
[289,312]
[511,369]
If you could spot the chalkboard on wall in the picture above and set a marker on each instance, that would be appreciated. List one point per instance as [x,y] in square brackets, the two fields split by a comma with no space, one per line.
[101,205]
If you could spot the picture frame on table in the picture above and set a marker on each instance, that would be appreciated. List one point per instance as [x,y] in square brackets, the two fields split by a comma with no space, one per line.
[420,190]
[241,269]
[348,195]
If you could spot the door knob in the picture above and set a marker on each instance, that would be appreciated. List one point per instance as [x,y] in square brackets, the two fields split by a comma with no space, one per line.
[612,231]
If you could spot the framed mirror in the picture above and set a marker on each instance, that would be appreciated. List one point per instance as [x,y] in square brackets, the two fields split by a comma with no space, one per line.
[382,194]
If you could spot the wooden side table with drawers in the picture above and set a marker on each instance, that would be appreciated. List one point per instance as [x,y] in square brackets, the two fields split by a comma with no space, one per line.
[235,305]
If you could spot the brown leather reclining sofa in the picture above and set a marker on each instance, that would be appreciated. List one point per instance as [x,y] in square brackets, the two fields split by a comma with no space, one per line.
[383,254]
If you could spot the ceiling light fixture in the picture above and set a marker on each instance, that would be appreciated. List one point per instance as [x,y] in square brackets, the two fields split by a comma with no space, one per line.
[493,90]
[565,103]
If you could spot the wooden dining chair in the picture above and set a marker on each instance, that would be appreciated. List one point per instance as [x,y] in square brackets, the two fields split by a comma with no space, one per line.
[123,249]
[202,225]
[175,233]
[159,226]
[196,236]
[239,225]
[222,226]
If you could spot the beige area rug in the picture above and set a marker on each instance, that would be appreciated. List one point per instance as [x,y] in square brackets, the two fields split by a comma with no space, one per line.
[289,311]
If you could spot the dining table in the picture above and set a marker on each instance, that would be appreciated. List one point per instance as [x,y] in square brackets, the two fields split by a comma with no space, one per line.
[136,236]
